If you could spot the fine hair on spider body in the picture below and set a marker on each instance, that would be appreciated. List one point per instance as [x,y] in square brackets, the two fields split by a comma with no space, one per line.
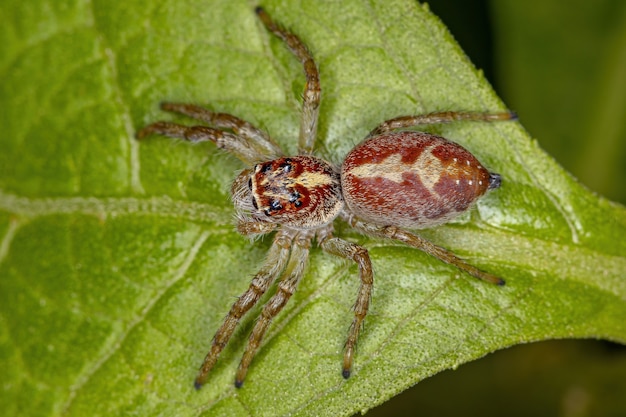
[394,180]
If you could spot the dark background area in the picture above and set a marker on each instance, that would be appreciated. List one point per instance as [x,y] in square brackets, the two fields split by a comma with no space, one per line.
[563,79]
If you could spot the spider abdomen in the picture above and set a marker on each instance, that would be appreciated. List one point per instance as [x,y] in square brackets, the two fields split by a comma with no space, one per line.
[412,179]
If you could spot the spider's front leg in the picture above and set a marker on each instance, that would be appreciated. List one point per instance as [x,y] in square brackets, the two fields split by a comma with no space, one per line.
[195,134]
[248,143]
[312,89]
[273,266]
[246,130]
[360,256]
[286,287]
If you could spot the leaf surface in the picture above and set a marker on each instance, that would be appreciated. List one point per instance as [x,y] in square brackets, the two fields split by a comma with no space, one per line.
[118,260]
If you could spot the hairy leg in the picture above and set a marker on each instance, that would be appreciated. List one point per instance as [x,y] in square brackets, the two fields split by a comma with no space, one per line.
[195,134]
[267,148]
[273,266]
[411,239]
[360,256]
[404,122]
[286,287]
[312,89]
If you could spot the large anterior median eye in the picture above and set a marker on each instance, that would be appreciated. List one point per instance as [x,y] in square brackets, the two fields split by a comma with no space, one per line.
[286,165]
[274,206]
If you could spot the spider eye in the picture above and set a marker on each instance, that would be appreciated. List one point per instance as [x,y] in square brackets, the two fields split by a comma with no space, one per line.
[275,205]
[254,204]
[250,183]
[286,165]
[293,198]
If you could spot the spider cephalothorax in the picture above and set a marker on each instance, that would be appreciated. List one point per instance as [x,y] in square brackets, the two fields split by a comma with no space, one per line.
[298,191]
[389,182]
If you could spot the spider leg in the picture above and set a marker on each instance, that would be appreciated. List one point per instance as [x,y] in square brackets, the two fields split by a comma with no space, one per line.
[232,143]
[358,254]
[312,89]
[404,122]
[273,266]
[286,287]
[258,138]
[411,239]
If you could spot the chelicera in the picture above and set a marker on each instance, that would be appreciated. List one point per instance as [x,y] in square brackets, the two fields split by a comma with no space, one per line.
[396,179]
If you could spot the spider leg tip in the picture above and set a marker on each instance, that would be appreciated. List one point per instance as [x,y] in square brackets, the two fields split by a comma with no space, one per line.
[345,373]
[197,385]
[238,384]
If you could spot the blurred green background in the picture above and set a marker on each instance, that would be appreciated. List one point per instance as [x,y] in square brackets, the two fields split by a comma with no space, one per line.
[562,67]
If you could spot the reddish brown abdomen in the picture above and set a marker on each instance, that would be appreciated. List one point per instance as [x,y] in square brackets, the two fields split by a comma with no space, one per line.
[411,179]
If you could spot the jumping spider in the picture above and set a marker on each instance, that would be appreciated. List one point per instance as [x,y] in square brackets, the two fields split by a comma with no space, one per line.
[389,182]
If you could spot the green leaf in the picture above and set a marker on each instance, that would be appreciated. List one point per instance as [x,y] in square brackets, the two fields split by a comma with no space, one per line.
[118,260]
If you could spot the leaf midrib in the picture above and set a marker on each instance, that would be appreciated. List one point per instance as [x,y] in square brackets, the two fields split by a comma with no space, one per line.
[554,258]
[103,206]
